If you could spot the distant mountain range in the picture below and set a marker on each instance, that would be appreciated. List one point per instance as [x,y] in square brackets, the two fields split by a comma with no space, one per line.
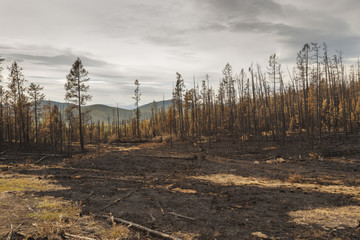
[100,112]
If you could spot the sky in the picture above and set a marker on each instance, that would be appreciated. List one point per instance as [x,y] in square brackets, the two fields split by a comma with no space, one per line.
[119,41]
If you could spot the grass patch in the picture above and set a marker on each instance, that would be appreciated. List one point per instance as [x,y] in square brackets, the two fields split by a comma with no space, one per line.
[116,231]
[54,210]
[22,183]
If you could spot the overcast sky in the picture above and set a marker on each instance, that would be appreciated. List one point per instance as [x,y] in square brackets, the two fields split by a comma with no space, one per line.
[150,40]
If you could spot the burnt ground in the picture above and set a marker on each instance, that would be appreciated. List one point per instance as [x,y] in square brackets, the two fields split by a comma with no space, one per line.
[193,191]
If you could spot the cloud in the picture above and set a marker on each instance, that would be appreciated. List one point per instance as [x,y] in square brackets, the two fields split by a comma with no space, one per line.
[243,9]
[59,60]
[120,41]
[167,39]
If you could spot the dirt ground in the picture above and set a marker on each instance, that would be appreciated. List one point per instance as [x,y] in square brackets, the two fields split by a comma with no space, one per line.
[189,191]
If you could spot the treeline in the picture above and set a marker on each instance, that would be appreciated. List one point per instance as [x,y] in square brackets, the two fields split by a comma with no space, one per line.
[319,101]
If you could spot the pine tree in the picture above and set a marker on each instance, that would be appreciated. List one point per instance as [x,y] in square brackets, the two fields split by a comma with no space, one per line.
[136,97]
[178,93]
[36,96]
[18,98]
[76,89]
[1,106]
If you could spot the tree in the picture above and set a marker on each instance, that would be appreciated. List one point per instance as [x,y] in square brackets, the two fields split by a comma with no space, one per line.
[76,89]
[136,97]
[1,105]
[36,96]
[178,93]
[274,69]
[154,118]
[228,82]
[18,98]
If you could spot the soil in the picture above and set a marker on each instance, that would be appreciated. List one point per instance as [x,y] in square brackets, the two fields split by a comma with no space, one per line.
[196,191]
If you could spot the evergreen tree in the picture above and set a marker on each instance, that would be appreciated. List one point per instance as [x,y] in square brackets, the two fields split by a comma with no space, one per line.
[76,89]
[36,96]
[136,97]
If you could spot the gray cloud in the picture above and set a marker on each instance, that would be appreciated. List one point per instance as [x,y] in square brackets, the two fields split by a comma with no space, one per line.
[167,39]
[122,40]
[62,60]
[296,37]
[243,8]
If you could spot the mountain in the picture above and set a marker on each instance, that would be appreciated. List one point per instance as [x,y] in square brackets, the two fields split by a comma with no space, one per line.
[100,112]
[52,103]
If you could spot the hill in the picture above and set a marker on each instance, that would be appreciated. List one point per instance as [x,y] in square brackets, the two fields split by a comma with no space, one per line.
[100,112]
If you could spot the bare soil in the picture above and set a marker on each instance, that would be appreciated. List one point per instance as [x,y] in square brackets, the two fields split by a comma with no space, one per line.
[193,191]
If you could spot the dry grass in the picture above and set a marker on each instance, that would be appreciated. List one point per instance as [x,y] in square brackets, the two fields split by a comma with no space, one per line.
[52,209]
[181,190]
[48,217]
[277,160]
[151,145]
[116,231]
[335,217]
[230,179]
[22,183]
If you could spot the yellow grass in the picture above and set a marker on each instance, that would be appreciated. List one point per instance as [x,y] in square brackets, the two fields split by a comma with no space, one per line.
[51,209]
[230,179]
[335,217]
[21,183]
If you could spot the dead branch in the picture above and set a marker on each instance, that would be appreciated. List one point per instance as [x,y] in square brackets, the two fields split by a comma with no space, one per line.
[106,178]
[117,200]
[173,157]
[3,159]
[46,156]
[2,153]
[13,230]
[161,209]
[41,159]
[90,194]
[140,227]
[181,216]
[10,233]
[78,237]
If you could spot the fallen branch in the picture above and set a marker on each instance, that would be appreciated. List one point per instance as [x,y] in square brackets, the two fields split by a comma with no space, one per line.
[90,194]
[117,200]
[3,159]
[12,231]
[41,159]
[78,237]
[182,216]
[2,153]
[138,226]
[106,178]
[46,156]
[173,157]
[161,209]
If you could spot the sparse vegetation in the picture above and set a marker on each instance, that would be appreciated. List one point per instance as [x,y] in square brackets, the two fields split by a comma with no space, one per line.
[253,156]
[318,103]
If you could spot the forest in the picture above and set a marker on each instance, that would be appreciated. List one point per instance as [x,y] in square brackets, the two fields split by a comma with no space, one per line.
[269,153]
[318,101]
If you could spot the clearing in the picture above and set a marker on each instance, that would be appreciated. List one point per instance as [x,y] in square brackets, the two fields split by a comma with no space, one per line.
[189,191]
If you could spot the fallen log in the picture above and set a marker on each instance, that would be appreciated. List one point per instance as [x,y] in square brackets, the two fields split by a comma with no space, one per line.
[140,227]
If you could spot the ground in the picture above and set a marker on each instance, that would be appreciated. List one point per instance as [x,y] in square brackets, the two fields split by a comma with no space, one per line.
[187,190]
